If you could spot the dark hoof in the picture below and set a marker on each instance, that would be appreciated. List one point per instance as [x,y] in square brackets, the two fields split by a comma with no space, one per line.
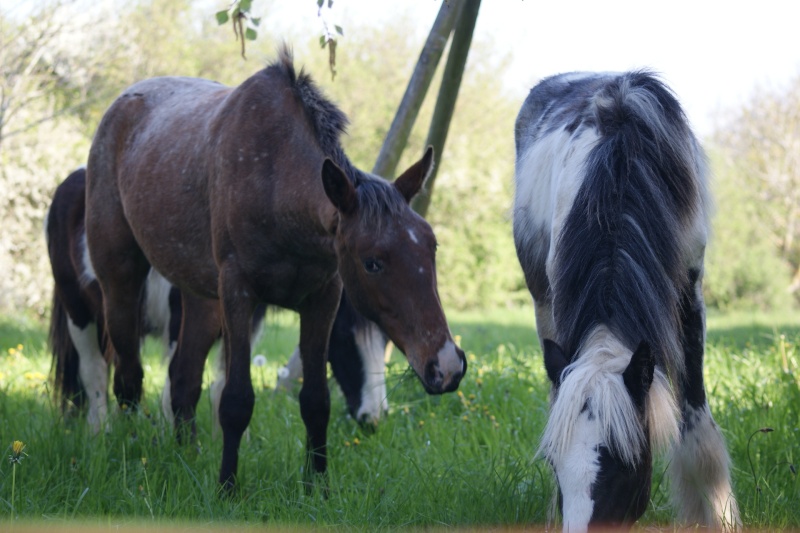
[317,482]
[227,489]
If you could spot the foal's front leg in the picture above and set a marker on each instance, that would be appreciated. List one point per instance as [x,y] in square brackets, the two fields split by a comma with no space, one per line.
[237,398]
[316,320]
[700,474]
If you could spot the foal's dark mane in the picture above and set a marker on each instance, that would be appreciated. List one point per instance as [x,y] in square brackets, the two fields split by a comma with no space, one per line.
[642,189]
[377,198]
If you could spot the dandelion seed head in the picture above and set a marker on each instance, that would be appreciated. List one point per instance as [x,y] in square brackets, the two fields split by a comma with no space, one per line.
[259,360]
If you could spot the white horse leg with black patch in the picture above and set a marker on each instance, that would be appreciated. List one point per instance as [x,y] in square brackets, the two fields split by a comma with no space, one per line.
[372,345]
[700,474]
[93,371]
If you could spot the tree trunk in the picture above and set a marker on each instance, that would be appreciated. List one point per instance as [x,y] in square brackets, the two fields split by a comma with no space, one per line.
[397,137]
[448,93]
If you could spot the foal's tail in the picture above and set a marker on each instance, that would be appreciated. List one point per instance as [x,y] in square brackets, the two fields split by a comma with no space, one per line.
[67,381]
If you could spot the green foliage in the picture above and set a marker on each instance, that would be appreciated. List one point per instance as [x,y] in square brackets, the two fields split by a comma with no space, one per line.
[459,460]
[761,141]
[108,50]
[743,268]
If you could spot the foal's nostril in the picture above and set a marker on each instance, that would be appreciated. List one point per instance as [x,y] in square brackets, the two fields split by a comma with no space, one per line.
[433,376]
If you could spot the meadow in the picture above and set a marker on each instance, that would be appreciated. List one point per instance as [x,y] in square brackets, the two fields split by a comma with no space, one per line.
[464,460]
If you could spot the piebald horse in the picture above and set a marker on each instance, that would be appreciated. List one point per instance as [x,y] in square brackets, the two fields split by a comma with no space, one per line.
[611,218]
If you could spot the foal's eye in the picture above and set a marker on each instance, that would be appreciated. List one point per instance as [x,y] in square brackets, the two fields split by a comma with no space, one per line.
[373,266]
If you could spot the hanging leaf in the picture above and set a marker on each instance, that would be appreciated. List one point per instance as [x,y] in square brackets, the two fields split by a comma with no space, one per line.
[322,41]
[250,34]
[222,17]
[339,30]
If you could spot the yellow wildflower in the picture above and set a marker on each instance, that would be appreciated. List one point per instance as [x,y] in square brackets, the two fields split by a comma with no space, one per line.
[17,452]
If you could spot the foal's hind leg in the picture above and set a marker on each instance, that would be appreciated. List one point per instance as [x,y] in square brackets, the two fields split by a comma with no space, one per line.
[200,328]
[121,269]
[699,468]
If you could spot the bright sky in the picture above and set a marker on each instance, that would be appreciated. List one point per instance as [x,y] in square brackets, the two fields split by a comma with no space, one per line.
[713,53]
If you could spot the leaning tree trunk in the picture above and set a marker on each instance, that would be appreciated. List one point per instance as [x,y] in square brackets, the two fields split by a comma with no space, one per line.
[448,93]
[400,130]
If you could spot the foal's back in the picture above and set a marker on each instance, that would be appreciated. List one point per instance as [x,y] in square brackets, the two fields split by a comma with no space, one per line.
[218,164]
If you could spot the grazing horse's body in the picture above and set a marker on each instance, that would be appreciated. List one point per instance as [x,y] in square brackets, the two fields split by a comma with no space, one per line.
[610,224]
[76,323]
[242,196]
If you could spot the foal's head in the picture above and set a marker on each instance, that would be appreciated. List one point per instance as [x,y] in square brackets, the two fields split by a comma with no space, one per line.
[386,254]
[606,410]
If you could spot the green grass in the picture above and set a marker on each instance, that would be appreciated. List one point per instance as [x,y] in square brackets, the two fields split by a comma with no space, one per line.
[461,460]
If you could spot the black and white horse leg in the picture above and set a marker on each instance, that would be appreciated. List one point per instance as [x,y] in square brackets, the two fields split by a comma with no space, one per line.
[316,321]
[237,398]
[93,371]
[699,469]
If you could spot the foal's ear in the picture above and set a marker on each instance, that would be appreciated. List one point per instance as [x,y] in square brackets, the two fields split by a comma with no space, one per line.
[340,191]
[410,182]
[554,361]
[639,375]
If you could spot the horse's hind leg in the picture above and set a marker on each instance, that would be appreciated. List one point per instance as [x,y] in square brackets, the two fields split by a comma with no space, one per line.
[93,370]
[200,327]
[121,269]
[699,469]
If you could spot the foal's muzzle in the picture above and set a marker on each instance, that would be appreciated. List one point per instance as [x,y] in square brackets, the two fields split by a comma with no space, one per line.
[444,373]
